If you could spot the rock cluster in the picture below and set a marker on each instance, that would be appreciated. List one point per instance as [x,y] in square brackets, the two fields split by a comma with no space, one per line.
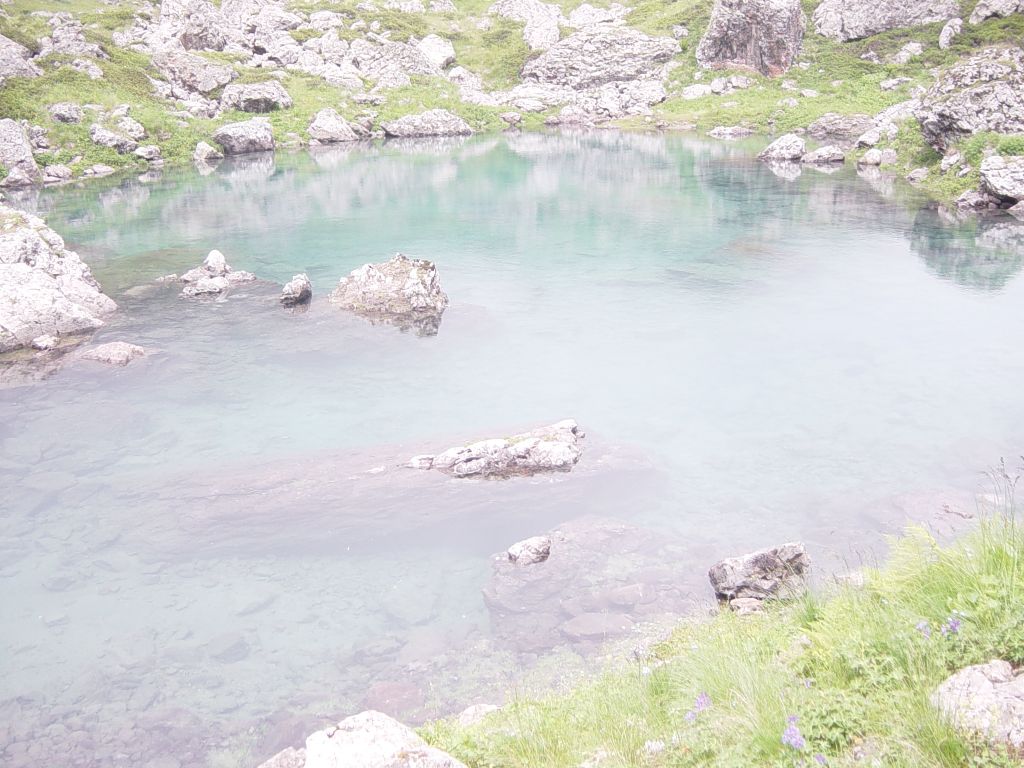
[986,700]
[553,448]
[763,35]
[778,572]
[45,289]
[401,291]
[213,277]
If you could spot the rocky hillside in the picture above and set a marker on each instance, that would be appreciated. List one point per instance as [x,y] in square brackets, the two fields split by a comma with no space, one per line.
[99,86]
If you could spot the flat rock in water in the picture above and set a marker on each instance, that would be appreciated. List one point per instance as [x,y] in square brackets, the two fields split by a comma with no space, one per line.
[787,148]
[114,353]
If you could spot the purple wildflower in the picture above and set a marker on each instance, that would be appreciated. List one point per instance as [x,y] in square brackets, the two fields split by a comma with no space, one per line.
[953,624]
[792,737]
[820,759]
[924,628]
[702,702]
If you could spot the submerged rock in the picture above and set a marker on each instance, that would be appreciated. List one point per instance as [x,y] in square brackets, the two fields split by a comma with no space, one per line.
[767,573]
[764,35]
[45,289]
[788,147]
[433,122]
[844,20]
[297,291]
[986,700]
[552,448]
[730,132]
[114,353]
[405,292]
[248,136]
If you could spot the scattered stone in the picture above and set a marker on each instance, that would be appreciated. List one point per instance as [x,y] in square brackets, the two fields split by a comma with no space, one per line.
[512,119]
[1017,210]
[553,448]
[192,73]
[909,51]
[328,127]
[540,20]
[205,154]
[974,201]
[730,132]
[114,353]
[746,606]
[809,93]
[987,9]
[596,626]
[949,32]
[1003,177]
[88,68]
[131,127]
[871,157]
[297,291]
[150,153]
[67,37]
[986,700]
[213,277]
[824,155]
[66,112]
[764,35]
[950,160]
[16,156]
[983,93]
[767,573]
[45,289]
[433,122]
[536,549]
[679,32]
[260,98]
[696,91]
[289,758]
[437,50]
[104,137]
[98,170]
[253,135]
[15,60]
[56,174]
[869,138]
[844,20]
[917,175]
[788,147]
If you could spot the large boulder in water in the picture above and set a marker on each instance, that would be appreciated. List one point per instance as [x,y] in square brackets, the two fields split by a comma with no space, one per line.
[16,157]
[367,740]
[853,19]
[557,447]
[45,289]
[433,122]
[986,700]
[401,291]
[254,135]
[764,35]
[775,572]
[983,93]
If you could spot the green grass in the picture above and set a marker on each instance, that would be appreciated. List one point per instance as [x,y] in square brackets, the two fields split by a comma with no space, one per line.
[852,665]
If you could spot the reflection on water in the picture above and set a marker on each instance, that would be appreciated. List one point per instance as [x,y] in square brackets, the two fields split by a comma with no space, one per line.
[214,550]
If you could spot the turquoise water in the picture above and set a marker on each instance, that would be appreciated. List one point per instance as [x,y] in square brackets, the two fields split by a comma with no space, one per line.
[212,551]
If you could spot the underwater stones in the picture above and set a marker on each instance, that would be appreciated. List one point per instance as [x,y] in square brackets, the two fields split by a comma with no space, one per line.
[764,35]
[596,626]
[1003,177]
[328,127]
[260,98]
[986,700]
[244,137]
[16,156]
[433,122]
[535,549]
[228,648]
[768,573]
[297,291]
[288,758]
[114,353]
[45,289]
[844,20]
[787,148]
[553,448]
[401,291]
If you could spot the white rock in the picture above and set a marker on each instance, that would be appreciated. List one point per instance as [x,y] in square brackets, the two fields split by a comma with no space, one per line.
[987,700]
[297,291]
[373,740]
[329,127]
[437,50]
[949,32]
[536,549]
[114,353]
[788,147]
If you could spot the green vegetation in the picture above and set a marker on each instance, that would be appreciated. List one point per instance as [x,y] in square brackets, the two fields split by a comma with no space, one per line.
[855,667]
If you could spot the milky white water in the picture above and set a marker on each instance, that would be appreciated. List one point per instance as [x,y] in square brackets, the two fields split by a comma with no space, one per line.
[197,564]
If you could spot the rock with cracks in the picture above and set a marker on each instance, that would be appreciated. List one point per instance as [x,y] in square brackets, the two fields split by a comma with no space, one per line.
[403,292]
[433,122]
[1003,177]
[763,35]
[16,156]
[986,700]
[788,147]
[768,573]
[328,127]
[256,97]
[535,549]
[554,448]
[844,20]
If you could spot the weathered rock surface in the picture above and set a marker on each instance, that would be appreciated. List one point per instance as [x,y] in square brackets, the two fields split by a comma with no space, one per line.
[438,51]
[843,130]
[191,72]
[949,32]
[67,37]
[15,60]
[114,353]
[248,136]
[373,740]
[213,277]
[16,156]
[824,156]
[541,20]
[986,700]
[105,137]
[1003,177]
[788,147]
[535,549]
[66,112]
[328,127]
[853,19]
[401,291]
[554,448]
[433,122]
[767,573]
[983,93]
[206,154]
[256,97]
[764,35]
[297,291]
[730,132]
[987,9]
[45,289]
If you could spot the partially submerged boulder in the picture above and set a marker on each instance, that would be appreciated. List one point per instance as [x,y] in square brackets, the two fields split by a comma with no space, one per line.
[554,448]
[247,136]
[45,289]
[1003,177]
[768,573]
[401,291]
[983,93]
[787,148]
[114,353]
[213,277]
[297,291]
[844,20]
[763,35]
[433,122]
[16,156]
[986,700]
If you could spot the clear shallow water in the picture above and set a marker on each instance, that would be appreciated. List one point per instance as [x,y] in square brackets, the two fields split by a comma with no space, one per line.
[198,567]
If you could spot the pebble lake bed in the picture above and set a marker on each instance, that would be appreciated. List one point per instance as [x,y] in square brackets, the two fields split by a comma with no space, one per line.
[218,548]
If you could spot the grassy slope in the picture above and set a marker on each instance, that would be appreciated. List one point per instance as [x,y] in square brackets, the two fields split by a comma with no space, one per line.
[856,668]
